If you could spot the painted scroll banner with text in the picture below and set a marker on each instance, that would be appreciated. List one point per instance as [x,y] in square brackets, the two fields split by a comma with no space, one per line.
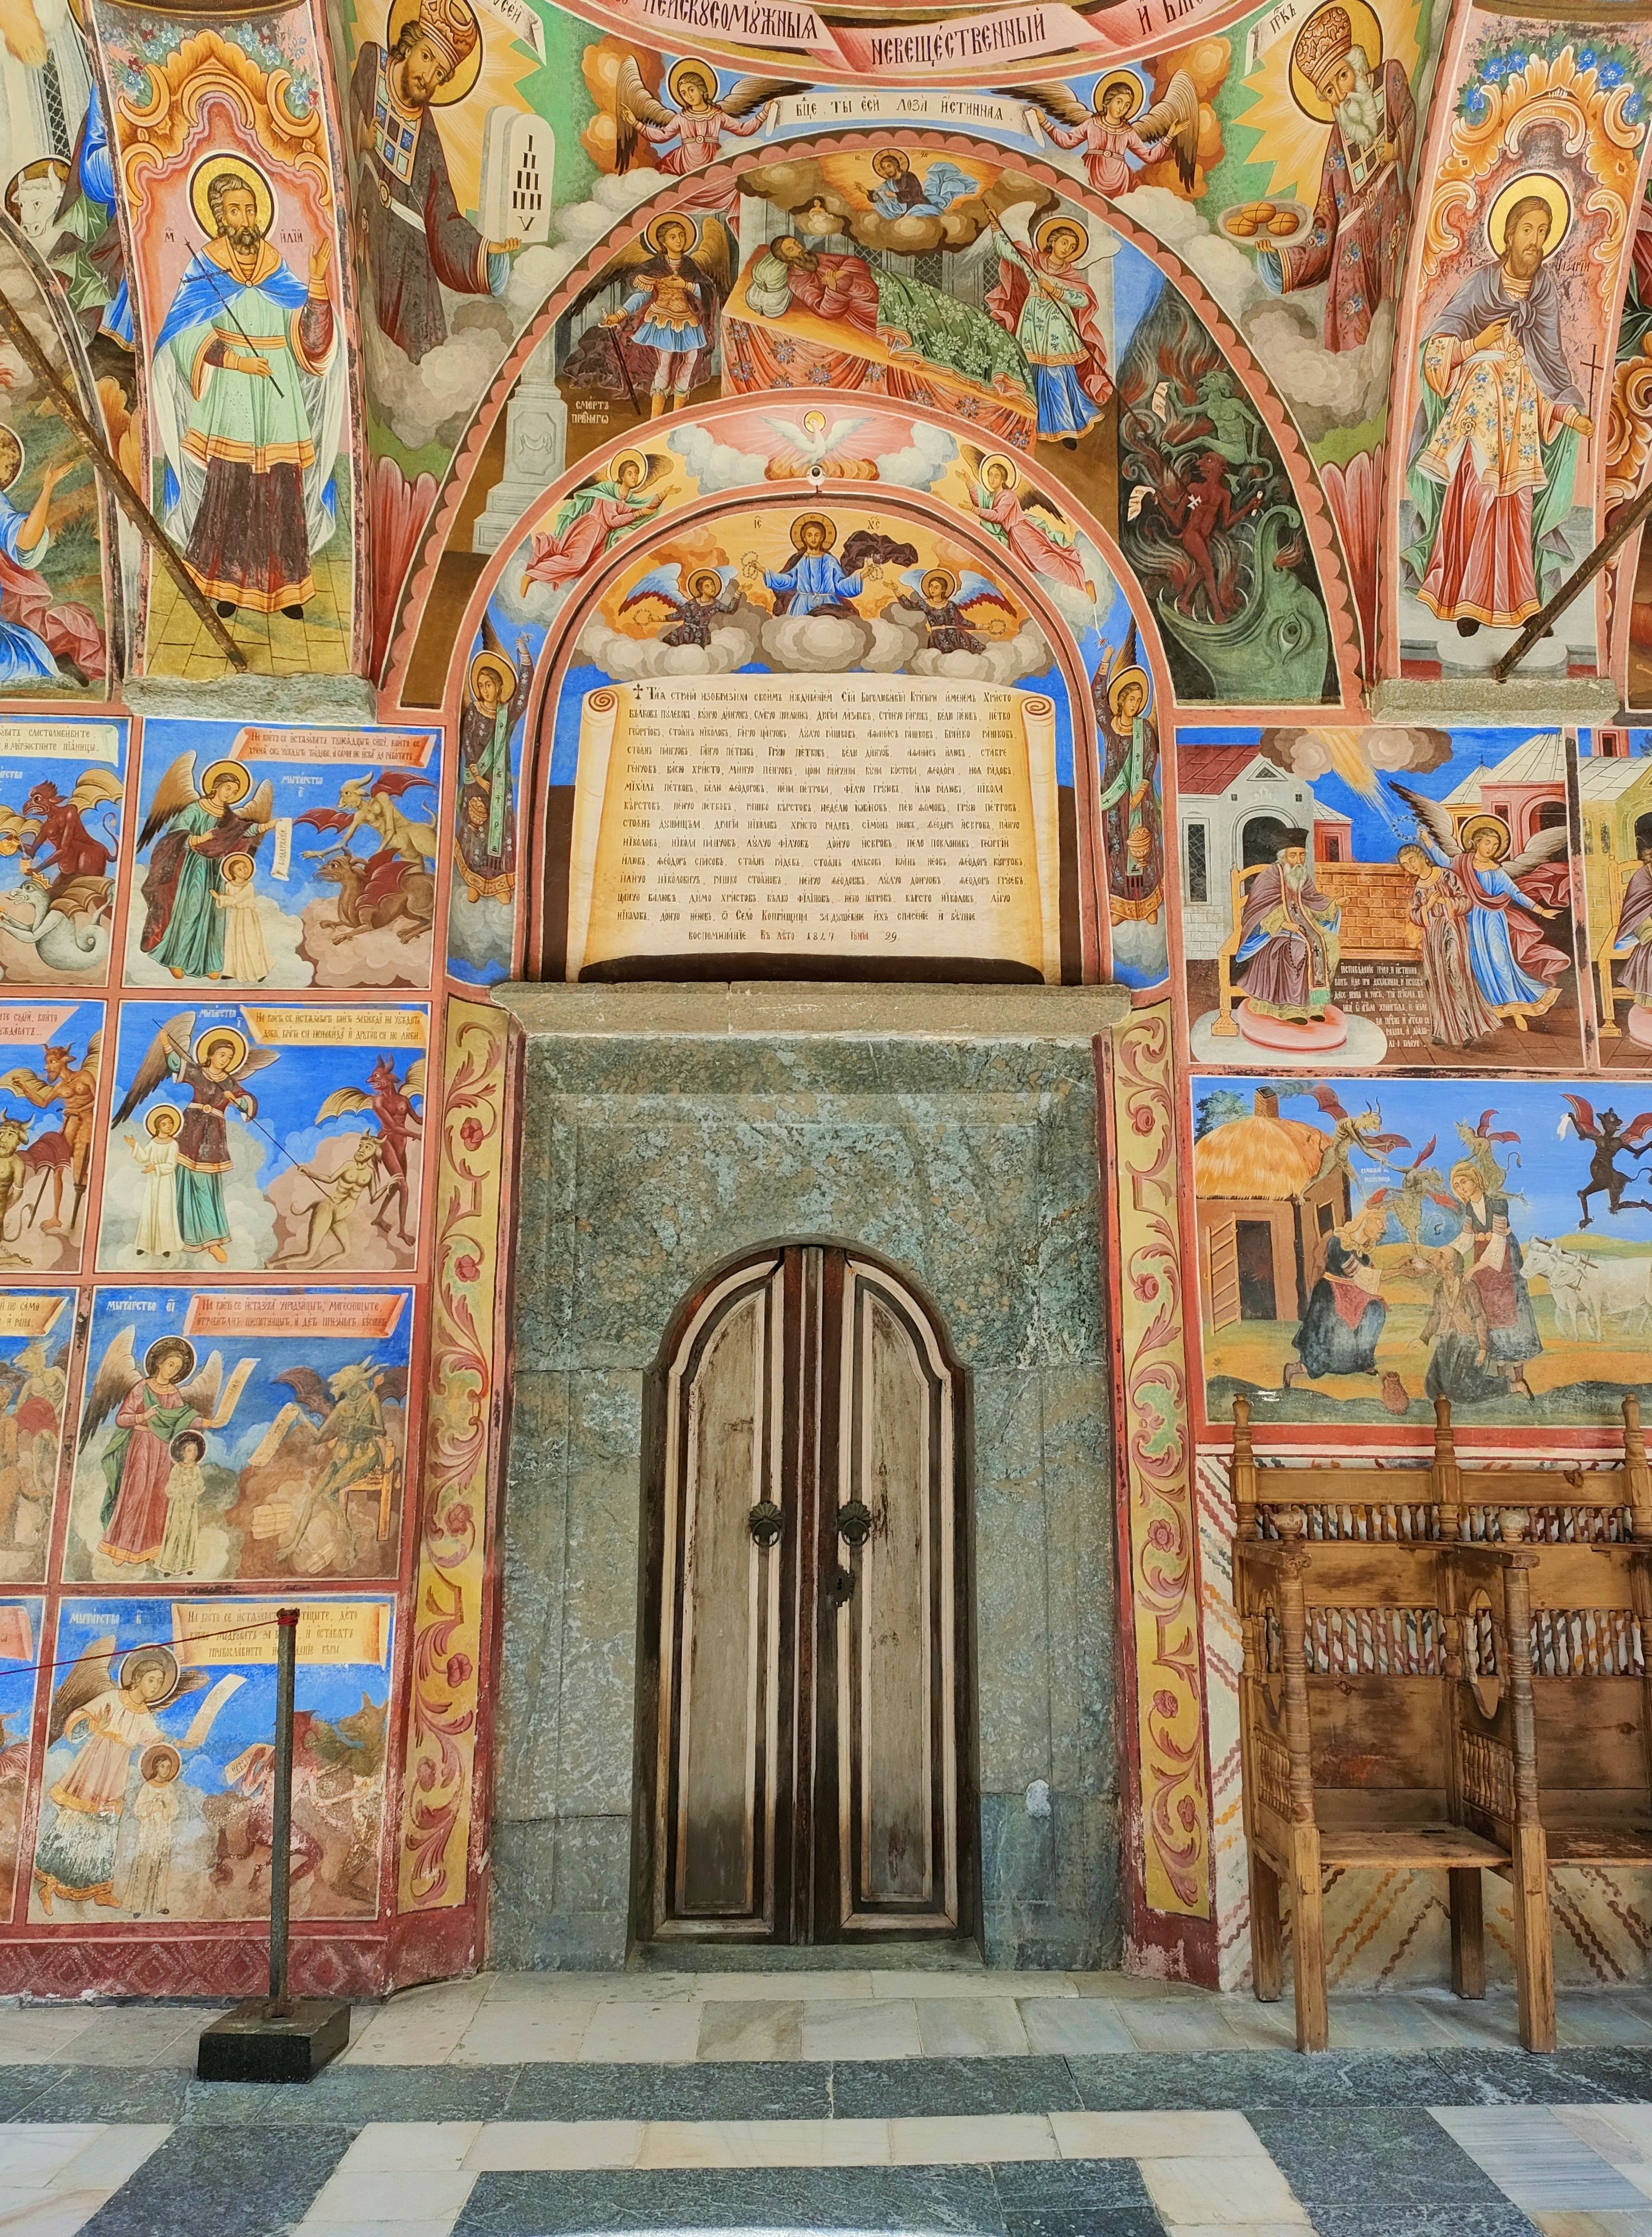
[815,816]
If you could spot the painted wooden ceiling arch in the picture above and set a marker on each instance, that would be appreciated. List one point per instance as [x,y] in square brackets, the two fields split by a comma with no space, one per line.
[1336,556]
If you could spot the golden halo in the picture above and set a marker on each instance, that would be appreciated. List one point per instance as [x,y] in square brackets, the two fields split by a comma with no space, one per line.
[10,457]
[1057,224]
[154,1758]
[403,12]
[946,577]
[215,1034]
[1011,471]
[494,663]
[216,770]
[228,859]
[1472,827]
[705,575]
[152,1124]
[802,522]
[1367,33]
[1545,188]
[212,167]
[1134,674]
[170,1343]
[619,459]
[652,230]
[690,66]
[44,167]
[164,1660]
[1127,78]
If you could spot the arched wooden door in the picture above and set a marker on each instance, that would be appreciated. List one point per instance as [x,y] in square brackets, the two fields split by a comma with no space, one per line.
[806,1771]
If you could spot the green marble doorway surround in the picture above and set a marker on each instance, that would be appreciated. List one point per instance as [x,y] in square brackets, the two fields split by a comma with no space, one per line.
[665,1130]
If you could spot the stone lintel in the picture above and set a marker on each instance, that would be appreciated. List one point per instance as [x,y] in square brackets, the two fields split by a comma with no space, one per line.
[789,1009]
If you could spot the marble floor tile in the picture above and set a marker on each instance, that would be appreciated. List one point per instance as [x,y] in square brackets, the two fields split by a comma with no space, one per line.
[28,2033]
[380,2194]
[405,2146]
[956,2143]
[440,2225]
[760,2027]
[1610,2223]
[970,2027]
[769,2144]
[977,1981]
[1364,2023]
[615,1988]
[1203,2193]
[526,2145]
[112,2156]
[33,2156]
[48,2213]
[1178,2026]
[1582,2023]
[1156,2135]
[642,2031]
[876,2028]
[788,1987]
[1059,2024]
[512,2034]
[1631,2124]
[419,2028]
[1537,2160]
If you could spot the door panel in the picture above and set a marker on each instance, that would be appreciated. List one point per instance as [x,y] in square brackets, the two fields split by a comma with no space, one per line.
[802,1620]
[721,1636]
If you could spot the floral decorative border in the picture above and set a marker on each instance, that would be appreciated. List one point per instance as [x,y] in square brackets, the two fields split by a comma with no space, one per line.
[466,1374]
[1159,1525]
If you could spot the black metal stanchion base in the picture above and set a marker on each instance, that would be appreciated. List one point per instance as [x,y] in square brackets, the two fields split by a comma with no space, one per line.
[248,2045]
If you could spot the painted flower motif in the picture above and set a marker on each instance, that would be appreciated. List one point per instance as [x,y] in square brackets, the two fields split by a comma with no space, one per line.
[459,1667]
[425,1775]
[1611,74]
[1495,72]
[1587,57]
[467,1268]
[472,1134]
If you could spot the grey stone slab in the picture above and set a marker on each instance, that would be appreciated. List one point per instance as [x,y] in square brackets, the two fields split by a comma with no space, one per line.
[905,2198]
[1050,1885]
[1372,2156]
[1505,2221]
[766,1007]
[350,2096]
[251,2181]
[1068,2185]
[1086,2221]
[913,2088]
[23,2087]
[1249,2081]
[111,2093]
[754,2090]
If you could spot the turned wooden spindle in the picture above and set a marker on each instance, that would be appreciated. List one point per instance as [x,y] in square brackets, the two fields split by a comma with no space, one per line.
[1243,1468]
[1446,1477]
[1638,1478]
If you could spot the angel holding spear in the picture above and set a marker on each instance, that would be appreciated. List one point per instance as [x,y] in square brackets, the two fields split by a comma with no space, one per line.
[212,1072]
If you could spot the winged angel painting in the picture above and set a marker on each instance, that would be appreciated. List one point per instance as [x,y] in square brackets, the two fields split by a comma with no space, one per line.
[685,131]
[292,1468]
[1118,132]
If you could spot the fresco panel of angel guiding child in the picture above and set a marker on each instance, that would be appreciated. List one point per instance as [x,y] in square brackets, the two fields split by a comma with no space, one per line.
[270,1442]
[273,1139]
[268,860]
[157,1787]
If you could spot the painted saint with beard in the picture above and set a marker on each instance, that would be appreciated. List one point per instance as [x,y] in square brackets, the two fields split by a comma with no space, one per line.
[1359,234]
[1288,944]
[1494,447]
[249,398]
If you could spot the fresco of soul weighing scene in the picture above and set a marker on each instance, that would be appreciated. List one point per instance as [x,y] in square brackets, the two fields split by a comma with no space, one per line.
[63,786]
[157,1789]
[36,1328]
[1353,898]
[234,1434]
[266,1137]
[284,857]
[1367,1245]
[951,283]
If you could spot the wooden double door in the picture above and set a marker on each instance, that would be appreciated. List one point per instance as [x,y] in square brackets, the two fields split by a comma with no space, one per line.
[806,1769]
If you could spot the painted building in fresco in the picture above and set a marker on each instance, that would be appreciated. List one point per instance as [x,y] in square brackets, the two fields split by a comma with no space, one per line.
[749,649]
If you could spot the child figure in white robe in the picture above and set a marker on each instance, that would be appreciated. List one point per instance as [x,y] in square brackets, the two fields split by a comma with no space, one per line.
[157,1160]
[184,1488]
[149,1883]
[245,957]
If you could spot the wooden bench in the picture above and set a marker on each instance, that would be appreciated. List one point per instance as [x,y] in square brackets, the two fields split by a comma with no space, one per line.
[1443,1669]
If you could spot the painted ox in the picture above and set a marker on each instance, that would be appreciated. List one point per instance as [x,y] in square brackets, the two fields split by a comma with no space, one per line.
[1590,1290]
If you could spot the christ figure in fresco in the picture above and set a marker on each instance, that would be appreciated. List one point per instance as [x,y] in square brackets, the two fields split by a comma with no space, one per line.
[1494,447]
